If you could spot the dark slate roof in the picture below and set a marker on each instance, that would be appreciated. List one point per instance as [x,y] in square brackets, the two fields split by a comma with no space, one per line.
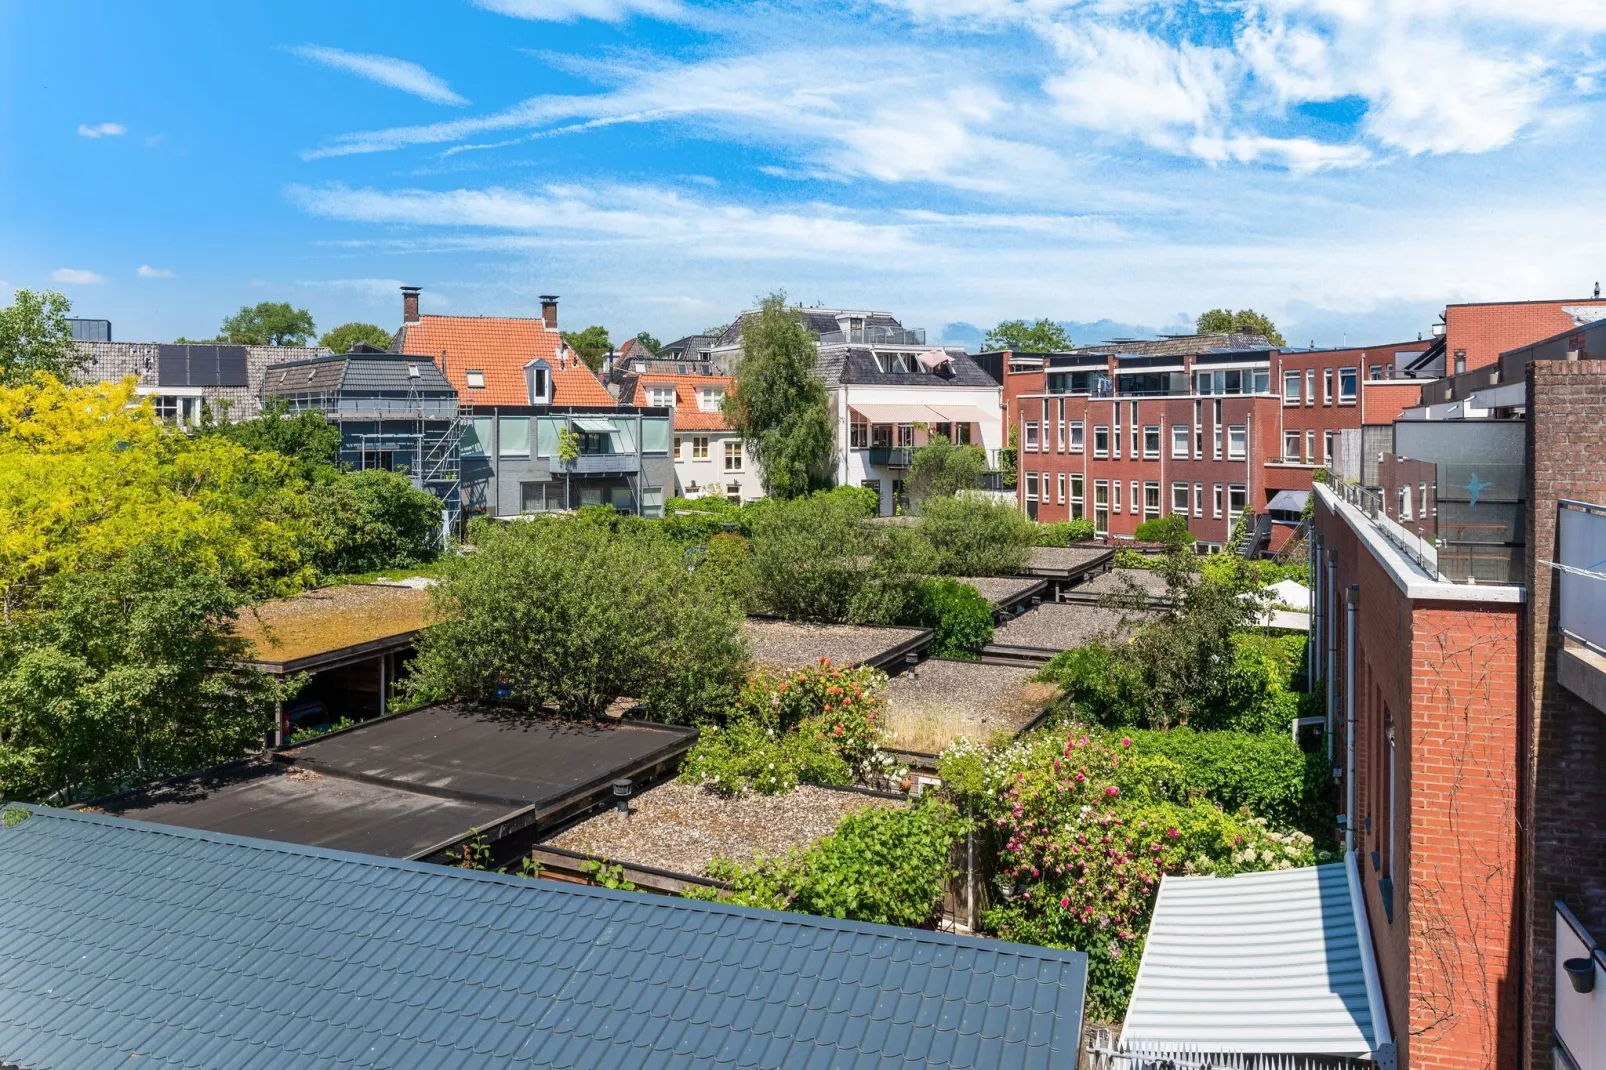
[133,944]
[357,373]
[818,320]
[857,365]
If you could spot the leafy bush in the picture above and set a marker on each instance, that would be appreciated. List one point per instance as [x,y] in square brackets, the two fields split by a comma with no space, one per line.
[727,566]
[572,615]
[889,866]
[940,469]
[960,619]
[365,521]
[1063,532]
[1171,530]
[817,725]
[809,555]
[1133,559]
[975,537]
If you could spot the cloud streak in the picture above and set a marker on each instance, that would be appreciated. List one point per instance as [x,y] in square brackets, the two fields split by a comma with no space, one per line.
[571,10]
[102,130]
[387,71]
[147,272]
[76,277]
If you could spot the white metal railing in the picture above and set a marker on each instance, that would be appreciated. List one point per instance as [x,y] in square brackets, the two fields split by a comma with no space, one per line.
[1581,565]
[1101,1052]
[886,336]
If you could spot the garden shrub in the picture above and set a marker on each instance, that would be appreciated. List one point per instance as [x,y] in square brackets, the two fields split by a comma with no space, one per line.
[809,556]
[727,566]
[371,520]
[818,725]
[1171,530]
[1133,559]
[975,537]
[960,619]
[1063,533]
[885,865]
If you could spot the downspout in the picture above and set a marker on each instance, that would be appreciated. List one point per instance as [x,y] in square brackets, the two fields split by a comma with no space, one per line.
[1383,1052]
[1352,600]
[1330,634]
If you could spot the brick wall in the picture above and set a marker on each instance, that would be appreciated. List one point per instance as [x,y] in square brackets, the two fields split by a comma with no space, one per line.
[1565,807]
[1486,331]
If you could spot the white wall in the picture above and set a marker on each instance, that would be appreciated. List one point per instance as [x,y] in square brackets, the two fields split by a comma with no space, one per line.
[706,472]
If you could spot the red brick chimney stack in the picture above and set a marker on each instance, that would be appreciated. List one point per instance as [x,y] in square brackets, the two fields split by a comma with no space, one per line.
[410,303]
[549,311]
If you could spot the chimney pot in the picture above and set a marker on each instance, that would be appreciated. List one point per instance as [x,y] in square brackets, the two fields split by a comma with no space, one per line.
[410,303]
[549,311]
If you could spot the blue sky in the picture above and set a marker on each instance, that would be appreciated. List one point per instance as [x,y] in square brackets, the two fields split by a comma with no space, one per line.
[1347,166]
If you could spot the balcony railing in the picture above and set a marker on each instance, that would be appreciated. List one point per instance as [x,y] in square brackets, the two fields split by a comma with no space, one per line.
[891,456]
[1581,564]
[876,336]
[598,462]
[1445,537]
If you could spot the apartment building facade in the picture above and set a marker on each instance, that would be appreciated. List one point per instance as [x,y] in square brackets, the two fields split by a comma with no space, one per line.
[1206,427]
[182,381]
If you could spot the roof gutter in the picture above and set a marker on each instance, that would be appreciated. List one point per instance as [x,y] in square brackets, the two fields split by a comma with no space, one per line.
[1383,1051]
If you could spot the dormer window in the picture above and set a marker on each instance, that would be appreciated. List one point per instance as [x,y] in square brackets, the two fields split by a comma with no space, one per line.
[476,379]
[538,382]
[662,397]
[710,398]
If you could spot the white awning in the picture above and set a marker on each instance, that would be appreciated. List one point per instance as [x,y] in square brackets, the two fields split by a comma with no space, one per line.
[962,414]
[595,423]
[898,414]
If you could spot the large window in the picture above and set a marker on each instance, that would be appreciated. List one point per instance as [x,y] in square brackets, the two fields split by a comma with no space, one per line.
[1237,441]
[1101,441]
[1031,486]
[662,397]
[1076,495]
[1347,385]
[1179,499]
[514,440]
[1151,500]
[1237,500]
[476,440]
[906,435]
[654,435]
[1291,447]
[733,455]
[1029,436]
[540,497]
[1095,382]
[1151,441]
[699,447]
[1179,441]
[1290,388]
[710,398]
[859,435]
[1076,436]
[1101,506]
[652,501]
[1232,381]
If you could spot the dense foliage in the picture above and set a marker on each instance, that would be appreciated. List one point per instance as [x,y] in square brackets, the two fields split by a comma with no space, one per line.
[814,556]
[1243,321]
[942,469]
[1063,532]
[307,438]
[343,337]
[590,345]
[960,619]
[123,671]
[36,337]
[269,323]
[889,866]
[1171,530]
[570,614]
[1039,336]
[976,537]
[817,725]
[367,521]
[779,405]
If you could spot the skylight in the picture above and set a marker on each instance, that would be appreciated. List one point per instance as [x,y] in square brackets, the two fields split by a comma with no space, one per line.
[476,379]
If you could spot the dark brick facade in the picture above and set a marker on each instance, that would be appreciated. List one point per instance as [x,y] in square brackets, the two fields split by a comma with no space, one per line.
[1564,804]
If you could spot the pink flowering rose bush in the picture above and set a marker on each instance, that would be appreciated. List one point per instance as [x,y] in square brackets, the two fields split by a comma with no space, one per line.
[1085,827]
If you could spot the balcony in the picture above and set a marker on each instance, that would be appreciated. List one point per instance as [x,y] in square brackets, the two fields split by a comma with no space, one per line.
[1581,600]
[598,463]
[876,336]
[890,456]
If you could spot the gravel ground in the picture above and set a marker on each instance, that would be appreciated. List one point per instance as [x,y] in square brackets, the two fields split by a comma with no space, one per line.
[1116,581]
[1001,590]
[784,645]
[930,706]
[682,827]
[1065,558]
[1054,626]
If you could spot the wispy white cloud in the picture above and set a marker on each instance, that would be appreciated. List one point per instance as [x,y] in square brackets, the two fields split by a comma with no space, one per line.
[76,276]
[102,130]
[569,10]
[389,71]
[147,272]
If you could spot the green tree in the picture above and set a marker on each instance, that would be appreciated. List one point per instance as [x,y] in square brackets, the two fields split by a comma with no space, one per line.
[942,469]
[572,615]
[973,537]
[307,437]
[343,337]
[365,521]
[812,555]
[36,337]
[779,405]
[648,339]
[269,323]
[1039,336]
[590,345]
[125,673]
[1243,321]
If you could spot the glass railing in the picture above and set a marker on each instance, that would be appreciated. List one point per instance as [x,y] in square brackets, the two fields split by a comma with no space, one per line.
[1454,537]
[1581,565]
[883,336]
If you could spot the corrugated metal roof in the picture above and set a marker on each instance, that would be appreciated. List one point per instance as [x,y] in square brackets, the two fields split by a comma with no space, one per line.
[127,941]
[1259,963]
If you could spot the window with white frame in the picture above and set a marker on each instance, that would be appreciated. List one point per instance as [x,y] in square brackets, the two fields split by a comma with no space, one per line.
[1179,441]
[1327,386]
[1031,486]
[1237,441]
[1290,388]
[1059,427]
[1115,440]
[475,379]
[1101,441]
[1375,372]
[710,398]
[1405,503]
[1115,500]
[1198,430]
[1179,499]
[1029,436]
[733,455]
[1060,487]
[1310,445]
[1310,386]
[1216,505]
[859,435]
[1291,447]
[1327,447]
[1134,424]
[1076,436]
[662,397]
[1076,495]
[1237,500]
[699,448]
[1198,499]
[1347,385]
[1101,506]
[1216,429]
[1151,499]
[1151,441]
[1132,499]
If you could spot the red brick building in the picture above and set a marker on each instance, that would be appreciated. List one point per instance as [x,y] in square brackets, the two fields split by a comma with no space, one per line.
[1206,426]
[1476,334]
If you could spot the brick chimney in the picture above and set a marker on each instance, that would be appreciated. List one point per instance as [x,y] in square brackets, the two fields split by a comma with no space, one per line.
[410,303]
[549,311]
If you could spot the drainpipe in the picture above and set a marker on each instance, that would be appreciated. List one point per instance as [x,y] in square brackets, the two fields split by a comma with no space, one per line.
[1330,634]
[1351,601]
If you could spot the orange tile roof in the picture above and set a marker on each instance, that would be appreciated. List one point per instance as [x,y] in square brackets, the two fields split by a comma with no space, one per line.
[500,347]
[687,416]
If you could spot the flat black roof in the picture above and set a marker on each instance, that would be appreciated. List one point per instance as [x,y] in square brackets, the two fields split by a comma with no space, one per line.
[405,785]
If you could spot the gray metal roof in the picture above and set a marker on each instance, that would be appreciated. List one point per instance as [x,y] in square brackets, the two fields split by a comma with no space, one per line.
[1259,963]
[127,942]
[356,373]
